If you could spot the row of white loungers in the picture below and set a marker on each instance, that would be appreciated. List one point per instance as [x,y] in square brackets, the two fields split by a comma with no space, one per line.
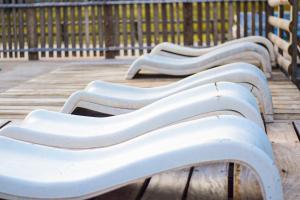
[63,130]
[79,157]
[60,156]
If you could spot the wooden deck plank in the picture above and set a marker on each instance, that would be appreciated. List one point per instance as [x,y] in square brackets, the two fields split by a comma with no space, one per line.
[128,192]
[169,185]
[288,162]
[246,185]
[209,181]
[286,148]
[15,73]
[282,132]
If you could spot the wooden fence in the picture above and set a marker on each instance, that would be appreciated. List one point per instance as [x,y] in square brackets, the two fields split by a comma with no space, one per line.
[110,28]
[287,50]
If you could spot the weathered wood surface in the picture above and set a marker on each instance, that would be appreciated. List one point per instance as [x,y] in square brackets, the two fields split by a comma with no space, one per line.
[281,23]
[51,89]
[287,48]
[14,73]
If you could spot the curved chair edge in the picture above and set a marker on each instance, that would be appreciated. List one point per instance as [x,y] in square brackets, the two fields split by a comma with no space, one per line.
[222,148]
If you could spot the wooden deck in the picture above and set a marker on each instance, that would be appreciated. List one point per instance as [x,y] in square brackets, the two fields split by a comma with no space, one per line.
[51,89]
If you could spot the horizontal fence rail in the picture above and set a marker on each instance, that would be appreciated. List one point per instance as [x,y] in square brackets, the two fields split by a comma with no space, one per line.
[283,38]
[286,40]
[111,28]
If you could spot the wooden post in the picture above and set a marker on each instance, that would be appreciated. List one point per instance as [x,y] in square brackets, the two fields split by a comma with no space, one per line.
[172,22]
[156,24]
[222,5]
[200,22]
[148,26]
[124,28]
[109,31]
[132,28]
[260,11]
[164,16]
[230,20]
[294,68]
[50,31]
[58,31]
[3,30]
[269,12]
[215,22]
[188,23]
[246,18]
[279,31]
[32,34]
[238,20]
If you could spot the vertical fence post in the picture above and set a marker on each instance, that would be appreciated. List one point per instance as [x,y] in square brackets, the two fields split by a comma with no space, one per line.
[32,34]
[294,45]
[269,12]
[188,32]
[148,26]
[109,31]
[279,30]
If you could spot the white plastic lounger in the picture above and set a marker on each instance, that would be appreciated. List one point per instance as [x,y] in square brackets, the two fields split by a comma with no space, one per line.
[78,132]
[30,171]
[187,66]
[177,51]
[115,99]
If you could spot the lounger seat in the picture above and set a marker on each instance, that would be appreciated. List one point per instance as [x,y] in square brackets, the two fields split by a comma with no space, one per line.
[178,51]
[30,171]
[78,132]
[114,99]
[187,66]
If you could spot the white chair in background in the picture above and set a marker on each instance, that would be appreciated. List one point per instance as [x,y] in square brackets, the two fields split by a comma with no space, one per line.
[186,66]
[178,51]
